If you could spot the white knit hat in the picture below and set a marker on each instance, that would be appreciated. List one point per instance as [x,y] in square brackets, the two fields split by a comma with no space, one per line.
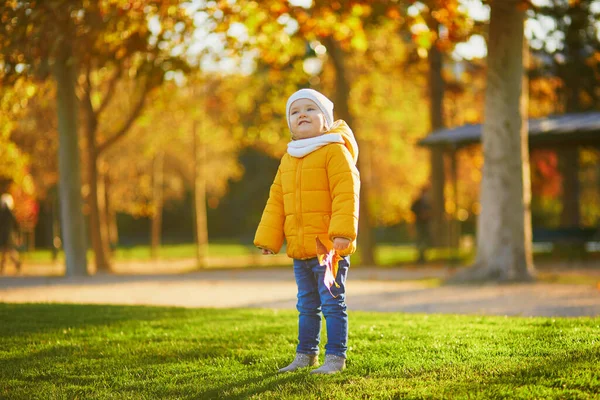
[324,104]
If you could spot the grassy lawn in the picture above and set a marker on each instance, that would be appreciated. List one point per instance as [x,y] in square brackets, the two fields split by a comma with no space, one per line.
[387,254]
[142,253]
[100,352]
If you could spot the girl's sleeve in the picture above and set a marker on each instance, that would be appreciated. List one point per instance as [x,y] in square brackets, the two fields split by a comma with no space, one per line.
[269,234]
[344,186]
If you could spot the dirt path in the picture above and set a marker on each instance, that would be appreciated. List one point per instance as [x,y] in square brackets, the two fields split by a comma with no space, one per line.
[371,289]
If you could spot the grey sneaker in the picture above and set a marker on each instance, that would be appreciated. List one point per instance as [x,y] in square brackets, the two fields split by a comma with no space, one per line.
[332,365]
[301,361]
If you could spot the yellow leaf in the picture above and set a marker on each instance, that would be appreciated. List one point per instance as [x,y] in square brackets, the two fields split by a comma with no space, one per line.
[359,42]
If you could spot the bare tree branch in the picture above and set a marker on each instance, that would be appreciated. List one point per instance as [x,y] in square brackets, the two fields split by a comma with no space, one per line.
[86,102]
[132,117]
[111,90]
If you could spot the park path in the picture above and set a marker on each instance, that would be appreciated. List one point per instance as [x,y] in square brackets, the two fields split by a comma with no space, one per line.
[413,290]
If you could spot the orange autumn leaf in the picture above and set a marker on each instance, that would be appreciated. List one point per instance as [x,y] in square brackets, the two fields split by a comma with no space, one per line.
[328,259]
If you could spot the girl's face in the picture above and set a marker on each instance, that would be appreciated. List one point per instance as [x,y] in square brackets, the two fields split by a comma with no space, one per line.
[306,119]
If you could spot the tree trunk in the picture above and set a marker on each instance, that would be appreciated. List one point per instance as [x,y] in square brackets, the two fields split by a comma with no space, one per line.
[366,241]
[30,239]
[111,216]
[71,215]
[200,199]
[98,234]
[99,231]
[569,170]
[103,207]
[569,156]
[454,223]
[56,241]
[157,173]
[578,14]
[504,226]
[436,118]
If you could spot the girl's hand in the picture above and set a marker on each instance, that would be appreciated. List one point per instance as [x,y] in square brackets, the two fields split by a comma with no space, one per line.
[266,252]
[341,243]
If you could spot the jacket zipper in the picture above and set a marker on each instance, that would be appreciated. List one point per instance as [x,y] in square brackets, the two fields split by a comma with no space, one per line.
[299,205]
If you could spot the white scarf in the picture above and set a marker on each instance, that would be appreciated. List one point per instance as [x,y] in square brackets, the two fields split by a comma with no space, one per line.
[303,147]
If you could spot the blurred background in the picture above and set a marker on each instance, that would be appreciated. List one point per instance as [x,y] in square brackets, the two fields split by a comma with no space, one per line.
[167,120]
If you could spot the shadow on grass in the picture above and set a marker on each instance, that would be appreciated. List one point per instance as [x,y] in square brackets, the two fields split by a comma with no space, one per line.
[177,366]
[98,369]
[253,386]
[548,372]
[515,372]
[25,319]
[546,375]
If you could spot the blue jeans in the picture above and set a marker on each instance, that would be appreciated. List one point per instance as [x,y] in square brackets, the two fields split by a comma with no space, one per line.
[313,297]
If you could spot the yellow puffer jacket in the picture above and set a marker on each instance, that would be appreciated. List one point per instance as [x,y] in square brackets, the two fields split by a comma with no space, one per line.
[314,195]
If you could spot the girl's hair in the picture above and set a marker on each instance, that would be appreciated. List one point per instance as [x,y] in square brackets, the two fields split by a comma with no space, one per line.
[6,200]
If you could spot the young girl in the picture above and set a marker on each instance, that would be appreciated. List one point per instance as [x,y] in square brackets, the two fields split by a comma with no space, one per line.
[315,198]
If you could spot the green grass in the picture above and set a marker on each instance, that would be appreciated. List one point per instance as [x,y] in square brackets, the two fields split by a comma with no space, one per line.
[186,250]
[142,253]
[111,352]
[387,254]
[393,254]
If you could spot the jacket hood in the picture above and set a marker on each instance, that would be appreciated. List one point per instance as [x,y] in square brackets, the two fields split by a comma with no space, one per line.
[341,128]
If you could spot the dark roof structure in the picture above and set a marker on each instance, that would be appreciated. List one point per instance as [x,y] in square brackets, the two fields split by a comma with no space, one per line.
[565,129]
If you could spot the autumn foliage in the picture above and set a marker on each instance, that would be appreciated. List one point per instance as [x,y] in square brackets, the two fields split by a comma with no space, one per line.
[155,74]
